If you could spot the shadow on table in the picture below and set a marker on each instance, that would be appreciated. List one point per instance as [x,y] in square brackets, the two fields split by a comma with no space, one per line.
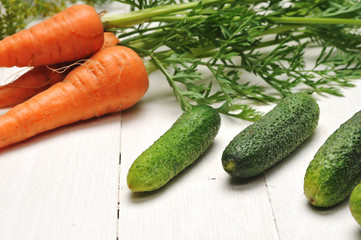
[245,183]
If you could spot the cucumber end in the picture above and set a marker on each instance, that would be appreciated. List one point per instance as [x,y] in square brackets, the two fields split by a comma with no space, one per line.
[230,166]
[320,199]
[140,183]
[136,186]
[314,202]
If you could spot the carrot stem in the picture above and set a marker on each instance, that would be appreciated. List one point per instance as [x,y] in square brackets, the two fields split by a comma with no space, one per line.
[283,20]
[150,66]
[303,20]
[161,14]
[133,18]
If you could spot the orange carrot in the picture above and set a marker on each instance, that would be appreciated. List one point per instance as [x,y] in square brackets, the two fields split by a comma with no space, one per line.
[32,82]
[113,79]
[110,40]
[76,32]
[40,78]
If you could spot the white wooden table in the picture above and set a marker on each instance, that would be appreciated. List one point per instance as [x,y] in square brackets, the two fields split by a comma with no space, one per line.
[70,183]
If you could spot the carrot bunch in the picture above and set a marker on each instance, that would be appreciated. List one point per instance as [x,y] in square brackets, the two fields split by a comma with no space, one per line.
[42,77]
[101,78]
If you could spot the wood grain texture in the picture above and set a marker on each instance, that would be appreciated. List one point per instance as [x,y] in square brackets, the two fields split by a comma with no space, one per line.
[200,203]
[67,184]
[205,203]
[295,217]
[62,184]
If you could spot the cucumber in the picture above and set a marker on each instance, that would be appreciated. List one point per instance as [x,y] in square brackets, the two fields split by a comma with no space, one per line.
[355,203]
[180,146]
[336,167]
[270,139]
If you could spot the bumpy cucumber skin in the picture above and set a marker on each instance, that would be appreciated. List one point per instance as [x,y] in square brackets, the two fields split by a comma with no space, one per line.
[355,203]
[180,146]
[273,137]
[336,167]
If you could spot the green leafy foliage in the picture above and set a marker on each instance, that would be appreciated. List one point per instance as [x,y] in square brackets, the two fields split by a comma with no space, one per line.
[267,39]
[232,54]
[16,15]
[143,4]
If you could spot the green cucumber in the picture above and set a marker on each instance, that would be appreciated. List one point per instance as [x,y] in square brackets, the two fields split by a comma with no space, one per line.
[180,146]
[355,203]
[273,137]
[336,167]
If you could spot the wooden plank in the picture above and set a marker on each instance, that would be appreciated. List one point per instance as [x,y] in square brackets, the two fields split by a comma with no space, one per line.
[66,184]
[62,184]
[295,217]
[202,202]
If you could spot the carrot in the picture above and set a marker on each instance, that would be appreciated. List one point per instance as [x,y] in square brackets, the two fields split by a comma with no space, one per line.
[29,84]
[76,32]
[40,78]
[110,40]
[112,80]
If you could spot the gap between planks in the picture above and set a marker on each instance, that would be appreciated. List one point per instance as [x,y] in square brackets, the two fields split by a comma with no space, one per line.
[120,160]
[270,202]
[117,230]
[119,163]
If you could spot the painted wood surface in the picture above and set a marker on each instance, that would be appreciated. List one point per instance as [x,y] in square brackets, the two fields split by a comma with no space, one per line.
[70,183]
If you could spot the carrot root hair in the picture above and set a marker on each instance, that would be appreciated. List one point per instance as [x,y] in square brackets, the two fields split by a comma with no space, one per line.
[40,78]
[65,67]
